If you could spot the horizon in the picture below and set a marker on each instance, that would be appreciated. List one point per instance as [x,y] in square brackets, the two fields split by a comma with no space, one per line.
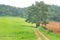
[26,3]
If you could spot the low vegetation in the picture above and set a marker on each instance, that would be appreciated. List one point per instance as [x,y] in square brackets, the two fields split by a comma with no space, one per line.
[51,35]
[14,28]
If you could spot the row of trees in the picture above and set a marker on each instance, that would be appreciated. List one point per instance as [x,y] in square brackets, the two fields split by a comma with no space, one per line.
[54,14]
[37,9]
[38,13]
[6,10]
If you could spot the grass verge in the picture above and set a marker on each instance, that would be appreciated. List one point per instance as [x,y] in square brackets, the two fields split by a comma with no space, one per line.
[15,28]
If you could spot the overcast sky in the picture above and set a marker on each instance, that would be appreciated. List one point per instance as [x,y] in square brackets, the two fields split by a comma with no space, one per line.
[26,3]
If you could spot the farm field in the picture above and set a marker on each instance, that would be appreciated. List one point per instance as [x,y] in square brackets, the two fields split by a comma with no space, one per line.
[51,36]
[15,28]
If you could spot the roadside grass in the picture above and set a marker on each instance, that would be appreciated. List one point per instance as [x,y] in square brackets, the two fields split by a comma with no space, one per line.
[51,36]
[15,28]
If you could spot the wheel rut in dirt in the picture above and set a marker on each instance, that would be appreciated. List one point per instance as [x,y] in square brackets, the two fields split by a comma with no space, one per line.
[38,33]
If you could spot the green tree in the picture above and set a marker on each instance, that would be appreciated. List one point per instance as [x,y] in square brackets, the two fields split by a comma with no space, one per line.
[37,13]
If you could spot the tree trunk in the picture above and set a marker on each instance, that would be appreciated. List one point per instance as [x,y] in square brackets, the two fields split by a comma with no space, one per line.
[37,25]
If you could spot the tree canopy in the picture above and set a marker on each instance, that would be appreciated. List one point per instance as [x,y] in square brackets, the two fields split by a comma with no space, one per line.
[38,13]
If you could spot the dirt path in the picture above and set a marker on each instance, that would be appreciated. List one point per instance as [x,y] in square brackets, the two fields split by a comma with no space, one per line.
[46,38]
[38,33]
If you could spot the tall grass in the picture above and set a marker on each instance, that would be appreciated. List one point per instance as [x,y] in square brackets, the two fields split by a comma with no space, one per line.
[15,28]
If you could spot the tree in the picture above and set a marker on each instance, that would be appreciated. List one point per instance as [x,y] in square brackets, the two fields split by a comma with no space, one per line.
[37,13]
[6,10]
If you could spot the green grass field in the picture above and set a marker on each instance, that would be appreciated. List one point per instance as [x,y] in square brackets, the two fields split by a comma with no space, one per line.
[51,36]
[15,28]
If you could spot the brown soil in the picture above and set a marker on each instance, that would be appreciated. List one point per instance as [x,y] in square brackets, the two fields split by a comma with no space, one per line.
[38,33]
[55,26]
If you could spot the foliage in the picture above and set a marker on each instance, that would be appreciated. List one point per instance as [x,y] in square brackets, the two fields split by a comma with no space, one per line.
[6,10]
[55,13]
[38,13]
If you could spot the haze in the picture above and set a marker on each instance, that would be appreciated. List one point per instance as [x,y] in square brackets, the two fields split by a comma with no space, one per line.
[26,3]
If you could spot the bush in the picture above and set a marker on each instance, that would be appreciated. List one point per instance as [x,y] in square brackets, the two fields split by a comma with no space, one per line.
[49,31]
[44,28]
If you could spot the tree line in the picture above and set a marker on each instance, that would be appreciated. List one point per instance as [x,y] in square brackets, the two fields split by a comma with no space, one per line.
[6,10]
[53,11]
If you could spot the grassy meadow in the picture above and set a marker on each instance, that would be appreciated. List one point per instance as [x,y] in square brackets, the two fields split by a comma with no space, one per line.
[15,28]
[51,36]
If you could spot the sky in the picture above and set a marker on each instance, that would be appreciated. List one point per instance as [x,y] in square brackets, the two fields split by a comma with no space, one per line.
[26,3]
